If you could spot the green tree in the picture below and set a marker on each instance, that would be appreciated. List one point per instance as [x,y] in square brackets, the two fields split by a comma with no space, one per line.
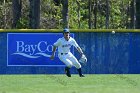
[83,14]
[5,14]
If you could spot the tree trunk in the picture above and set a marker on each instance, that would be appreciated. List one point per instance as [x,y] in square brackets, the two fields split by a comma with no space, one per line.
[107,14]
[138,14]
[16,8]
[133,14]
[95,14]
[90,14]
[34,15]
[4,14]
[65,14]
[78,10]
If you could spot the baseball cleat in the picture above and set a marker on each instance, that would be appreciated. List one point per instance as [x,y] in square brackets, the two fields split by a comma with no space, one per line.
[82,75]
[67,72]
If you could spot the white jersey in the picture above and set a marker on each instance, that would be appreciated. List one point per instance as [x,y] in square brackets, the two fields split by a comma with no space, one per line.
[64,45]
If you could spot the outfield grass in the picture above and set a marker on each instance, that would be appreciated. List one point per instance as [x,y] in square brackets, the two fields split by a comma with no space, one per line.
[109,83]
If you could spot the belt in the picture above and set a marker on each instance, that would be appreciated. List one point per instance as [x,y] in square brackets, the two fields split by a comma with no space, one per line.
[63,53]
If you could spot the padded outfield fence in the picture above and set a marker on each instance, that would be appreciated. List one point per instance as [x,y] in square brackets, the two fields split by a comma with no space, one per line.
[107,53]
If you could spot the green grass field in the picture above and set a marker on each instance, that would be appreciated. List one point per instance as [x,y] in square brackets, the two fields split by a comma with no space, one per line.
[96,83]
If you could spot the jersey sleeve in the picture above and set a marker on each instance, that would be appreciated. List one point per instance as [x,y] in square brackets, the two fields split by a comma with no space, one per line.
[57,43]
[75,44]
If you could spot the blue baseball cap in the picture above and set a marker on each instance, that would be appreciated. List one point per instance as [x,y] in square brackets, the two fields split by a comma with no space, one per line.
[66,30]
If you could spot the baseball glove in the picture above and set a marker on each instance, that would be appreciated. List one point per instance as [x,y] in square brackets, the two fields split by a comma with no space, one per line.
[83,59]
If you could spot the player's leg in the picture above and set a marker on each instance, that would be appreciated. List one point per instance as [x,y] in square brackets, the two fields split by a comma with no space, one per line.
[75,62]
[80,72]
[68,64]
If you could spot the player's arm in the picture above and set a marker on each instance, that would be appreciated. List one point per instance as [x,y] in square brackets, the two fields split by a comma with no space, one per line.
[55,45]
[83,58]
[77,47]
[80,50]
[53,53]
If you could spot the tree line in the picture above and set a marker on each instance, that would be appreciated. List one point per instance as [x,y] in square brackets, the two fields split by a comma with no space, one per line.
[74,14]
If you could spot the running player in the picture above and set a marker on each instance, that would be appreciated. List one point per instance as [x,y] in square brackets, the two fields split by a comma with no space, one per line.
[64,44]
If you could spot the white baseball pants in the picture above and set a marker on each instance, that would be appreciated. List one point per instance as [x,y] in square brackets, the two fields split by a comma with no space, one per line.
[69,60]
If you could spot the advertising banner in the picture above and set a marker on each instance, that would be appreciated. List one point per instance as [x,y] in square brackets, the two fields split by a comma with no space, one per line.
[32,49]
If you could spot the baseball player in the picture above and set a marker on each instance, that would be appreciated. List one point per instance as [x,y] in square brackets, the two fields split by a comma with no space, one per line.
[64,44]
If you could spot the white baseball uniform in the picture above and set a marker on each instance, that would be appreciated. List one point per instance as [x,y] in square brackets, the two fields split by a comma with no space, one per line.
[64,53]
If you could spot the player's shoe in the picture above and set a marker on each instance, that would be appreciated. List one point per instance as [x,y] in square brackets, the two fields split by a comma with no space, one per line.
[67,71]
[80,72]
[82,75]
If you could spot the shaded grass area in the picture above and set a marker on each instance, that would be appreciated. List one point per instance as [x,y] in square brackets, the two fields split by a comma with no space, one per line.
[108,83]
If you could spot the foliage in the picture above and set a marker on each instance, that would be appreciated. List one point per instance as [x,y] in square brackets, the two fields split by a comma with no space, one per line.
[51,14]
[24,20]
[119,14]
[5,14]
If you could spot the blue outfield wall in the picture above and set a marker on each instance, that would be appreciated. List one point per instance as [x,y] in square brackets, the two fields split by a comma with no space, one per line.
[107,53]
